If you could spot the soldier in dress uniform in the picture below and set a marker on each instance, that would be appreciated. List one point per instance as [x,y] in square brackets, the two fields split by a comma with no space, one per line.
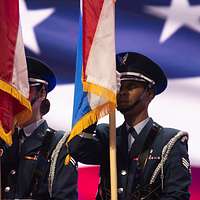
[152,161]
[26,164]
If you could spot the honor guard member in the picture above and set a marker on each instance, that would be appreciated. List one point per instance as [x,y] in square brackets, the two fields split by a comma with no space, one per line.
[152,161]
[26,164]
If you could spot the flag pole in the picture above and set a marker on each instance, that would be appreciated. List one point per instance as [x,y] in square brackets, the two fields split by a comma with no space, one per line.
[113,166]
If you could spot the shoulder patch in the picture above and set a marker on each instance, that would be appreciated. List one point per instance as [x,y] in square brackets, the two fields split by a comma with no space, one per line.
[186,163]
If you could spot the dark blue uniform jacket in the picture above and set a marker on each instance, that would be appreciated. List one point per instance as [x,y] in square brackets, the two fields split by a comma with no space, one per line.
[94,149]
[19,164]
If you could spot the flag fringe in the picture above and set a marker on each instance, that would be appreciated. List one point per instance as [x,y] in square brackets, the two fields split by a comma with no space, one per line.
[15,93]
[20,117]
[100,91]
[7,137]
[89,119]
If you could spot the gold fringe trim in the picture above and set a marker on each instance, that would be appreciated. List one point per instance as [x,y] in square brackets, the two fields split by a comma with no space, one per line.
[87,120]
[20,117]
[67,159]
[100,91]
[7,137]
[15,93]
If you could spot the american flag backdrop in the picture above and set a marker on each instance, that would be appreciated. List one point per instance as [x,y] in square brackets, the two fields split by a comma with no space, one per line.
[167,31]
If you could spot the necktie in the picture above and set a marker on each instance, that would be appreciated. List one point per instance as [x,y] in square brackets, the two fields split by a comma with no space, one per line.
[133,132]
[22,135]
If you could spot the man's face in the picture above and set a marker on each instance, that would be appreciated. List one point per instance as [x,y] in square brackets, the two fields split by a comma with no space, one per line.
[129,94]
[32,94]
[35,98]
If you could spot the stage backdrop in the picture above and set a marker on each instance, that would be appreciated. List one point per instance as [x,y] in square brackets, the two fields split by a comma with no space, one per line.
[168,31]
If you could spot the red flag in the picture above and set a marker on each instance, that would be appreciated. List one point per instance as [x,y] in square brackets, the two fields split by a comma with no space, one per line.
[14,89]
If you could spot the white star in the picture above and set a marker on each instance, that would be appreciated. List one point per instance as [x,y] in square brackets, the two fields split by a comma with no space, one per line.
[179,13]
[30,19]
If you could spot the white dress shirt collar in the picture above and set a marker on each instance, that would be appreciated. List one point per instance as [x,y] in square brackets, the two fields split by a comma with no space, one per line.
[138,128]
[28,130]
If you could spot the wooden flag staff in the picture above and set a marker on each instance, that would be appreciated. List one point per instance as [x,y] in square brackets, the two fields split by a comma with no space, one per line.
[113,166]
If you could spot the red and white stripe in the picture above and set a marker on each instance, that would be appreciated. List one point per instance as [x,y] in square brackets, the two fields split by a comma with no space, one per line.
[14,88]
[99,64]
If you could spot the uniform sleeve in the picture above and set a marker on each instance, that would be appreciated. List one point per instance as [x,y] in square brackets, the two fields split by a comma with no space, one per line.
[8,164]
[3,150]
[89,148]
[177,173]
[65,181]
